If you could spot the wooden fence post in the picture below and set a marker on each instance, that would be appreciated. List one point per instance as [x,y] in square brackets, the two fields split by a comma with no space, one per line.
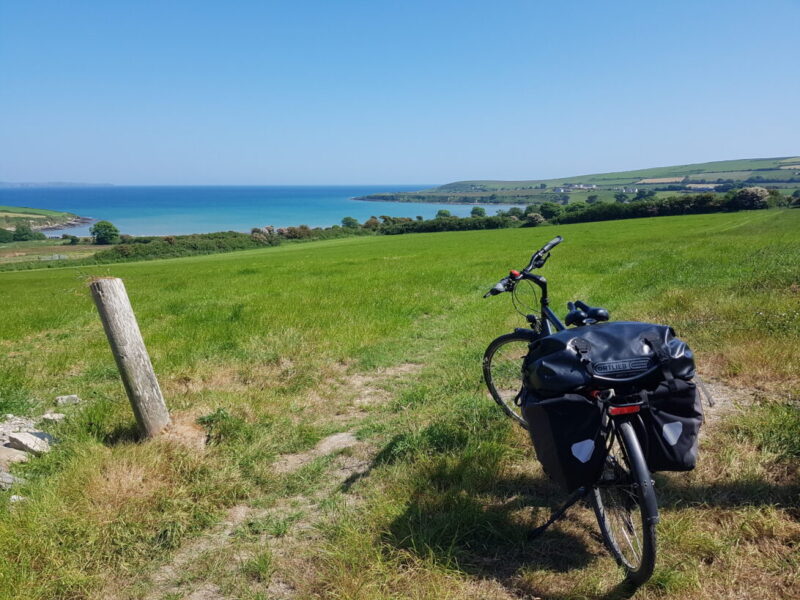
[131,355]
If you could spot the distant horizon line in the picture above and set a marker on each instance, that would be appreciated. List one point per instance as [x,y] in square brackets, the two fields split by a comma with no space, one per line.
[68,184]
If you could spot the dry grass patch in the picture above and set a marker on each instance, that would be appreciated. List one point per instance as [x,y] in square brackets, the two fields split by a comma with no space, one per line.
[122,486]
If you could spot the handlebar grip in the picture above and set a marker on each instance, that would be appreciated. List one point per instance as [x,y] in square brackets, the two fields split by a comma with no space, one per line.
[552,243]
[498,288]
[582,305]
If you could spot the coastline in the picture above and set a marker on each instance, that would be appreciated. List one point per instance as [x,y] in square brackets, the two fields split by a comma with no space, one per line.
[75,221]
[443,201]
[504,203]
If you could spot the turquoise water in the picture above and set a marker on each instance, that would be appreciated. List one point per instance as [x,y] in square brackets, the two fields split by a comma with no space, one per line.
[181,210]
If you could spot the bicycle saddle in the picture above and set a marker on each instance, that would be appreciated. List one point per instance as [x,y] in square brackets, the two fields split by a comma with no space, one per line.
[582,314]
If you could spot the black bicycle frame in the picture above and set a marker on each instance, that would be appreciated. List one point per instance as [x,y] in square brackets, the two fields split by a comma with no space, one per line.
[549,318]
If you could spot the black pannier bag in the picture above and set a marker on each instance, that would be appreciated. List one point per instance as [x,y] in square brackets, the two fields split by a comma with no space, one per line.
[563,368]
[567,438]
[567,361]
[671,419]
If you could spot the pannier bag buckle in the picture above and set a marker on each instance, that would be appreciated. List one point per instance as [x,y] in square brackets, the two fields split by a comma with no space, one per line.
[583,348]
[662,356]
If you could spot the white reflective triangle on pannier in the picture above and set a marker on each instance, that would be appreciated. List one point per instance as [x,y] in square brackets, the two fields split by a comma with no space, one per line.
[672,432]
[583,450]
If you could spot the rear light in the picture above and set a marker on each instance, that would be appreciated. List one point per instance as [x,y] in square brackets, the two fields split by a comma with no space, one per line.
[624,410]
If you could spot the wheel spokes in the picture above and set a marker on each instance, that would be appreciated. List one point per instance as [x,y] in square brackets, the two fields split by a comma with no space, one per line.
[620,509]
[505,374]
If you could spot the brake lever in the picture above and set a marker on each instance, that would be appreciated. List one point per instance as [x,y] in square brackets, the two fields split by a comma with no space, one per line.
[539,262]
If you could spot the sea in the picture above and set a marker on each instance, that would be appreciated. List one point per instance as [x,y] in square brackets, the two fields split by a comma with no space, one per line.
[176,210]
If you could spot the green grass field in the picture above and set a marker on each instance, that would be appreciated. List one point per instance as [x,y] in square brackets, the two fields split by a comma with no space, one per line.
[274,350]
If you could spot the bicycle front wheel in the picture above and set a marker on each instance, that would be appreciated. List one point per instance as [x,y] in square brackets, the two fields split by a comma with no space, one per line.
[624,502]
[502,371]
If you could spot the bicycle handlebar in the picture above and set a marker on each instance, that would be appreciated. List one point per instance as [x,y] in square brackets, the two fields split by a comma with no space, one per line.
[506,284]
[540,256]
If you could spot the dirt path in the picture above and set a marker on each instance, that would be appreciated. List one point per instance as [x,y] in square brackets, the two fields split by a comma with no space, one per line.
[349,459]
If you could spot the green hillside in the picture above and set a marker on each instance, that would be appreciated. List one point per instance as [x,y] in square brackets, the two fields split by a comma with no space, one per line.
[11,216]
[431,491]
[777,172]
[711,170]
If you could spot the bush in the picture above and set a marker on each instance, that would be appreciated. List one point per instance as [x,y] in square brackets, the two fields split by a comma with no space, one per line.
[24,233]
[777,200]
[477,211]
[749,198]
[265,237]
[372,223]
[687,204]
[533,219]
[183,245]
[104,233]
[449,224]
[549,210]
[6,236]
[350,223]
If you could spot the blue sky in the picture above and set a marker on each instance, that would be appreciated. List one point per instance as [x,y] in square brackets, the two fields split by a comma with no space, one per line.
[312,92]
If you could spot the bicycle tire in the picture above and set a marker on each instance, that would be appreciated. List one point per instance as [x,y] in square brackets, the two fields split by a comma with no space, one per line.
[502,372]
[624,502]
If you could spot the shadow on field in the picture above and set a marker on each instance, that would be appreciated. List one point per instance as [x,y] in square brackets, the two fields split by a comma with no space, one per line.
[676,494]
[466,508]
[122,434]
[480,526]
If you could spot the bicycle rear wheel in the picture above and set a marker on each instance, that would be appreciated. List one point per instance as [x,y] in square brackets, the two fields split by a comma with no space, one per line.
[502,371]
[624,502]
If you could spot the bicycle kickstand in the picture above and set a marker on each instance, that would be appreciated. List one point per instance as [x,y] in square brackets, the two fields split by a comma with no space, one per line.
[557,514]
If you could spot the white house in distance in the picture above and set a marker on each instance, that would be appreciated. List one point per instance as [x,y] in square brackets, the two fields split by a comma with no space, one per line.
[572,187]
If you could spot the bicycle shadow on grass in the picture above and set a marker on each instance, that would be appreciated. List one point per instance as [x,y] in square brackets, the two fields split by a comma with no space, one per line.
[470,519]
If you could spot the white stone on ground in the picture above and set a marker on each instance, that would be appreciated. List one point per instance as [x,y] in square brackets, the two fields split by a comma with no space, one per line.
[13,424]
[9,456]
[69,399]
[53,417]
[7,480]
[30,442]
